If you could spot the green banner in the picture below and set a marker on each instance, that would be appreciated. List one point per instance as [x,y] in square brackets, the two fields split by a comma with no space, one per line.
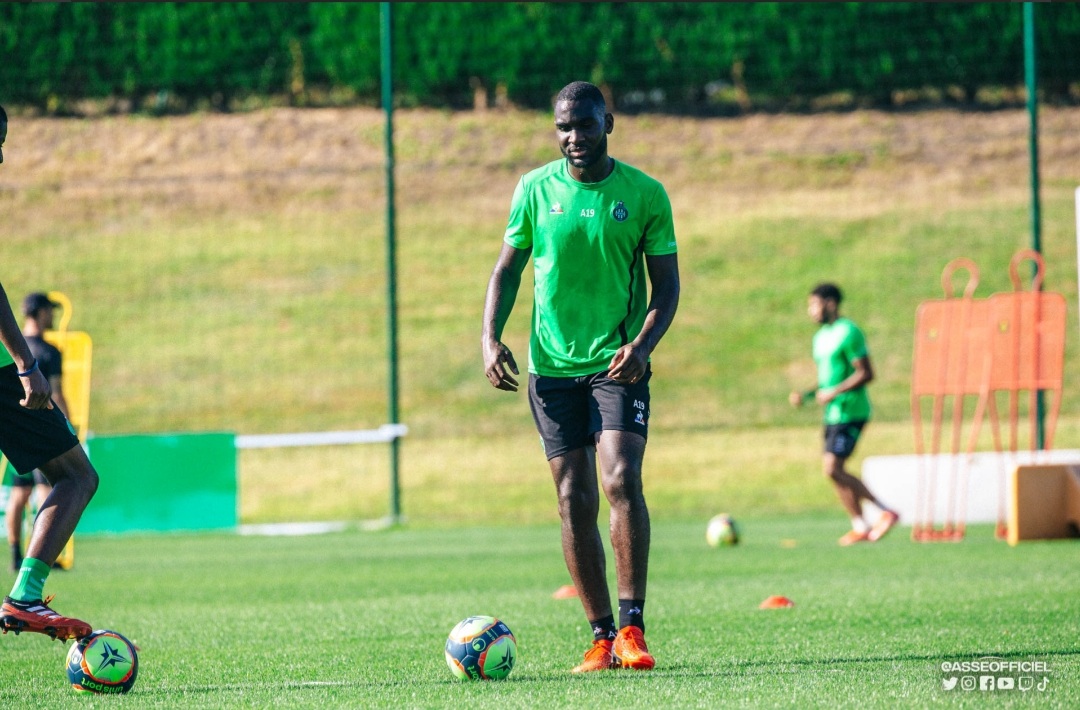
[162,482]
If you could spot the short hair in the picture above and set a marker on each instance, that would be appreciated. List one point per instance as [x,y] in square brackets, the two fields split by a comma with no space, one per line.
[581,90]
[3,115]
[828,291]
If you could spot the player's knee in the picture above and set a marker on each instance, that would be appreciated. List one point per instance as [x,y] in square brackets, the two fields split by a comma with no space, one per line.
[91,481]
[576,501]
[623,486]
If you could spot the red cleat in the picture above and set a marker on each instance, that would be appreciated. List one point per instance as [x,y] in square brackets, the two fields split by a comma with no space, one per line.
[597,658]
[36,616]
[630,650]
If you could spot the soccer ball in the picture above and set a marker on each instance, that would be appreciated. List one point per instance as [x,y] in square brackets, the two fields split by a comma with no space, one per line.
[721,531]
[481,648]
[103,662]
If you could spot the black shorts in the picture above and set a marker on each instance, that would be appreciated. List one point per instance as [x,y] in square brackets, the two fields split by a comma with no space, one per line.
[29,438]
[569,411]
[840,439]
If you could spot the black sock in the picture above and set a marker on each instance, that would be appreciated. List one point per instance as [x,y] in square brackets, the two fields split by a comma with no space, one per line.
[603,628]
[632,613]
[16,555]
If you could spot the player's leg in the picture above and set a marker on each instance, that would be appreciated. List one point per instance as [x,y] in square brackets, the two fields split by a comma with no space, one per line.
[845,486]
[74,482]
[13,517]
[25,608]
[621,455]
[624,411]
[42,489]
[41,438]
[560,410]
[840,441]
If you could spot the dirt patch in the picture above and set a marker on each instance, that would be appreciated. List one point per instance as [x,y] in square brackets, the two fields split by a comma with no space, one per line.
[271,159]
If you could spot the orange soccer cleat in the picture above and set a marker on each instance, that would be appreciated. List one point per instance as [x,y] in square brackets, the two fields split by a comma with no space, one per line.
[852,537]
[597,658]
[631,651]
[884,524]
[36,616]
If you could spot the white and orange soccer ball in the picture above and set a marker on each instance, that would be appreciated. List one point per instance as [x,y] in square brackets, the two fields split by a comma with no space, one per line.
[721,531]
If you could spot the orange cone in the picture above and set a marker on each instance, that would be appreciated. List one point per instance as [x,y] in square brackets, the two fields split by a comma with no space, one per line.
[567,591]
[776,602]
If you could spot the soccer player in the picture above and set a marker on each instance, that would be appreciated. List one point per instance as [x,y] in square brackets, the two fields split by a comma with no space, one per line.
[38,310]
[844,370]
[34,434]
[593,226]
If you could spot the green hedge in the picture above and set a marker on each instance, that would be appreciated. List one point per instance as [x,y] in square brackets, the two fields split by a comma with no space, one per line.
[674,56]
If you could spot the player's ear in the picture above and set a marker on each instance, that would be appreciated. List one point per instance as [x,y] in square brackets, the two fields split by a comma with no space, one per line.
[609,123]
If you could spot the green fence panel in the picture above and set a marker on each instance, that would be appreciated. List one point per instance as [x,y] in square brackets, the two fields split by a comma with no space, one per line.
[163,482]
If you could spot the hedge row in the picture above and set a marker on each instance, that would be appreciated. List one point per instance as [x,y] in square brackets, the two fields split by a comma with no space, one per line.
[674,55]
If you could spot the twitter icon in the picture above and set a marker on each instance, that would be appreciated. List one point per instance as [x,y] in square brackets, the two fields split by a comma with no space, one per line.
[949,683]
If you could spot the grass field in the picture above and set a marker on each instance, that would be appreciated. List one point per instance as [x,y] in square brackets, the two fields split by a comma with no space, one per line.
[230,269]
[358,619]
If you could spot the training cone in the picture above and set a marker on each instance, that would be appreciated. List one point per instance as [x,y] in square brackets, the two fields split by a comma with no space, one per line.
[776,602]
[567,591]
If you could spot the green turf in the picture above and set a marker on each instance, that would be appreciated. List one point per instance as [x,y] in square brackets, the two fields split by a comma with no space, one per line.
[358,619]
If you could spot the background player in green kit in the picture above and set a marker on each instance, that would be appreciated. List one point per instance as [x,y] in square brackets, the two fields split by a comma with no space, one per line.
[844,370]
[593,226]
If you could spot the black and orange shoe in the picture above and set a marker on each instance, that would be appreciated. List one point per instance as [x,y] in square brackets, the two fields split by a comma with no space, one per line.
[36,616]
[631,651]
[597,658]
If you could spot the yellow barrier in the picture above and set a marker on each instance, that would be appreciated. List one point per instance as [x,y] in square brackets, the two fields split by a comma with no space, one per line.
[1045,502]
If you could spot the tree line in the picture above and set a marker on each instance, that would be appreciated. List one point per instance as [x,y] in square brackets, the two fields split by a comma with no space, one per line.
[681,57]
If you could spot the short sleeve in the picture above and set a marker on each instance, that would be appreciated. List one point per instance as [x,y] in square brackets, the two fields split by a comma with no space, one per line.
[660,229]
[855,344]
[519,227]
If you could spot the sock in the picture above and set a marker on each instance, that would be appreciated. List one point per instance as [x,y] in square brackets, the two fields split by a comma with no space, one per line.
[603,628]
[16,555]
[859,525]
[632,613]
[31,580]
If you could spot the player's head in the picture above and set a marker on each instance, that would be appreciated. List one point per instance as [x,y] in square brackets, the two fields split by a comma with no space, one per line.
[39,307]
[824,302]
[582,123]
[3,131]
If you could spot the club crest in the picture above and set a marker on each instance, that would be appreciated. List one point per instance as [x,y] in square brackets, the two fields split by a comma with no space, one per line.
[619,212]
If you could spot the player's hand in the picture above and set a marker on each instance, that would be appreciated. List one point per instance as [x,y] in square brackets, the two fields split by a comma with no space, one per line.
[795,398]
[498,364]
[38,392]
[628,365]
[824,396]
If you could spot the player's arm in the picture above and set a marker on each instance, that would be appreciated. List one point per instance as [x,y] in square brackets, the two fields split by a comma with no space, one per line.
[499,302]
[862,375]
[630,360]
[796,398]
[36,387]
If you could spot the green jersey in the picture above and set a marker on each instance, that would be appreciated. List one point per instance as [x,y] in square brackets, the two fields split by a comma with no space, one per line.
[836,346]
[5,357]
[588,243]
